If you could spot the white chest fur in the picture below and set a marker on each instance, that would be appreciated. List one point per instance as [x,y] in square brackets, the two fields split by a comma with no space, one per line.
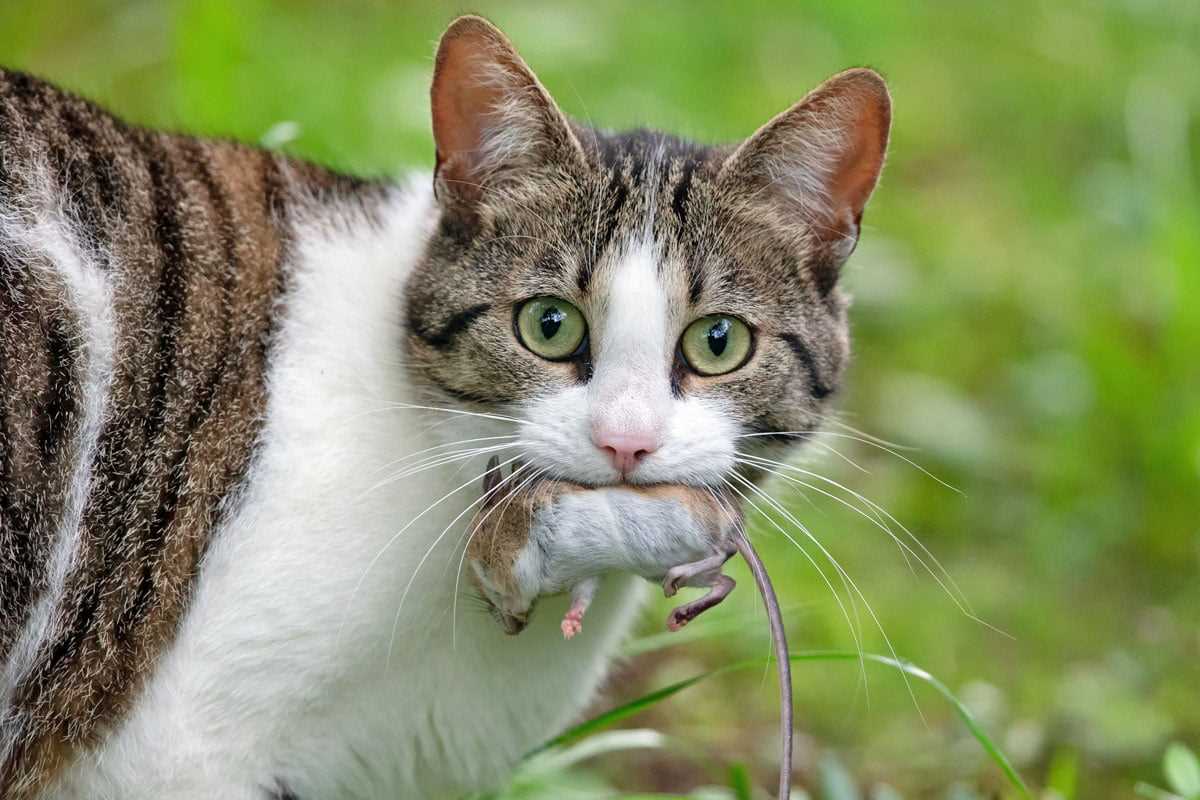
[296,665]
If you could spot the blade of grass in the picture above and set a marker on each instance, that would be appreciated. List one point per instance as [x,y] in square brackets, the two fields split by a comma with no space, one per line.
[739,781]
[615,715]
[608,742]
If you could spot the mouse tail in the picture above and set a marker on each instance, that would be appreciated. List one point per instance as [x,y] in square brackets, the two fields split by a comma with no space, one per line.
[782,657]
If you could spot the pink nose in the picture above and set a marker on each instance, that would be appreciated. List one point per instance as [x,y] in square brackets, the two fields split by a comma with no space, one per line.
[625,450]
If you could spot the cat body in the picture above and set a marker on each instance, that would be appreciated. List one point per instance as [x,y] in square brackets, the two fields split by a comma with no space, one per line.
[222,574]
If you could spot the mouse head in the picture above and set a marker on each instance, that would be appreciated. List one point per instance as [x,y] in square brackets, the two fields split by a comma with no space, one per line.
[503,568]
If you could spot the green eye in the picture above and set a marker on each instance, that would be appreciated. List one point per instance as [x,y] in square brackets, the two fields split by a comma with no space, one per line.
[716,344]
[551,327]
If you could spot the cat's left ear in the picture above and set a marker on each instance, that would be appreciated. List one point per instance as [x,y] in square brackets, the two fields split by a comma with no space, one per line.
[816,164]
[493,121]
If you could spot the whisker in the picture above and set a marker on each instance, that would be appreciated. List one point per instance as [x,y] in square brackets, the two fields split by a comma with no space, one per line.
[873,438]
[828,449]
[394,405]
[436,461]
[953,591]
[900,456]
[465,547]
[429,551]
[399,533]
[444,446]
[874,518]
[845,576]
[731,515]
[855,629]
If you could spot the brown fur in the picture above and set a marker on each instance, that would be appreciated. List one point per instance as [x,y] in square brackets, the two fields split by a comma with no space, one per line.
[192,233]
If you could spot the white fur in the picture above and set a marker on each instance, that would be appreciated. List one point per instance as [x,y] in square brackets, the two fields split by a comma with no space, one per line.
[43,234]
[281,669]
[635,326]
[615,529]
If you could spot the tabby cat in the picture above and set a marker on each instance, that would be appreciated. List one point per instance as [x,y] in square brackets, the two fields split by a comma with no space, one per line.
[245,403]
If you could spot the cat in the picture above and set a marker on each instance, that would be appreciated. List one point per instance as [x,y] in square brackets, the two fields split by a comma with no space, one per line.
[245,403]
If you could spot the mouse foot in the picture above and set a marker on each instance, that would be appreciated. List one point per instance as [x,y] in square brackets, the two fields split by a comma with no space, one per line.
[572,623]
[721,587]
[697,573]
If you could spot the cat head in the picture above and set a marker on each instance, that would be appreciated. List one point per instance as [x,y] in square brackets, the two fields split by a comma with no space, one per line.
[641,304]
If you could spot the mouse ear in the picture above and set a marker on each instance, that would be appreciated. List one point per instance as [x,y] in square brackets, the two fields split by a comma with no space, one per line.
[491,481]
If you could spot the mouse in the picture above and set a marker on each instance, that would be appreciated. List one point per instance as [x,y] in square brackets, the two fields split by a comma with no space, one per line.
[535,537]
[544,537]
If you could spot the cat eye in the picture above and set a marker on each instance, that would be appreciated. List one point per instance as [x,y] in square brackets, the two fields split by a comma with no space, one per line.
[716,344]
[551,327]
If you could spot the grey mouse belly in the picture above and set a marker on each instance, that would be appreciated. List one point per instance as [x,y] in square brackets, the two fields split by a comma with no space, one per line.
[632,531]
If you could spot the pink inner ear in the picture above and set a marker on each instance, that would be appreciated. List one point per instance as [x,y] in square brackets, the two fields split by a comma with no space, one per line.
[492,120]
[833,143]
[859,164]
[460,104]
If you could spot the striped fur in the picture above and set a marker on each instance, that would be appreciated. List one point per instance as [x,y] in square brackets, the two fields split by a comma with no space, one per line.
[139,275]
[210,354]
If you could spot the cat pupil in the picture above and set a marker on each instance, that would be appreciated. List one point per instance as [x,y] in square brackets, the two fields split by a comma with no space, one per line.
[552,319]
[718,337]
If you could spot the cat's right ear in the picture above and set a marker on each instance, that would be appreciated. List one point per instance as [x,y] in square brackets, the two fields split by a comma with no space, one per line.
[815,165]
[493,121]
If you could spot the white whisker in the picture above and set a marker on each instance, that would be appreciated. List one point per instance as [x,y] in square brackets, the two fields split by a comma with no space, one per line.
[949,585]
[429,551]
[436,461]
[873,517]
[845,576]
[398,534]
[444,446]
[854,625]
[534,475]
[900,456]
[828,449]
[873,438]
[394,405]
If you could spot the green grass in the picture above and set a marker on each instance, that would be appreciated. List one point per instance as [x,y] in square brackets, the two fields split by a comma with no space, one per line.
[1026,316]
[591,727]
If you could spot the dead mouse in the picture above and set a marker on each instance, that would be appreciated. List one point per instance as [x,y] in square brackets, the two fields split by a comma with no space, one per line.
[540,537]
[547,537]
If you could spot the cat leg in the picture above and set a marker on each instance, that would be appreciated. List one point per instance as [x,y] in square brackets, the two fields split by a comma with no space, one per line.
[581,597]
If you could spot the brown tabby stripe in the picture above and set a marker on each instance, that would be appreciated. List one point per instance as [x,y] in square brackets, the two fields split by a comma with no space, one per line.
[192,235]
[38,426]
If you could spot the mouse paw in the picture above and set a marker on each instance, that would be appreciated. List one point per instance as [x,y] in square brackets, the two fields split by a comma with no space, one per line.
[572,624]
[674,579]
[678,618]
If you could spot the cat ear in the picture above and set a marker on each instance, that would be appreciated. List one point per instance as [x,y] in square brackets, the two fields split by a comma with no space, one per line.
[493,122]
[817,163]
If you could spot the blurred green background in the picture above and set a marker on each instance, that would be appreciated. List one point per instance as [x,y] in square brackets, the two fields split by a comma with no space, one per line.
[1027,317]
